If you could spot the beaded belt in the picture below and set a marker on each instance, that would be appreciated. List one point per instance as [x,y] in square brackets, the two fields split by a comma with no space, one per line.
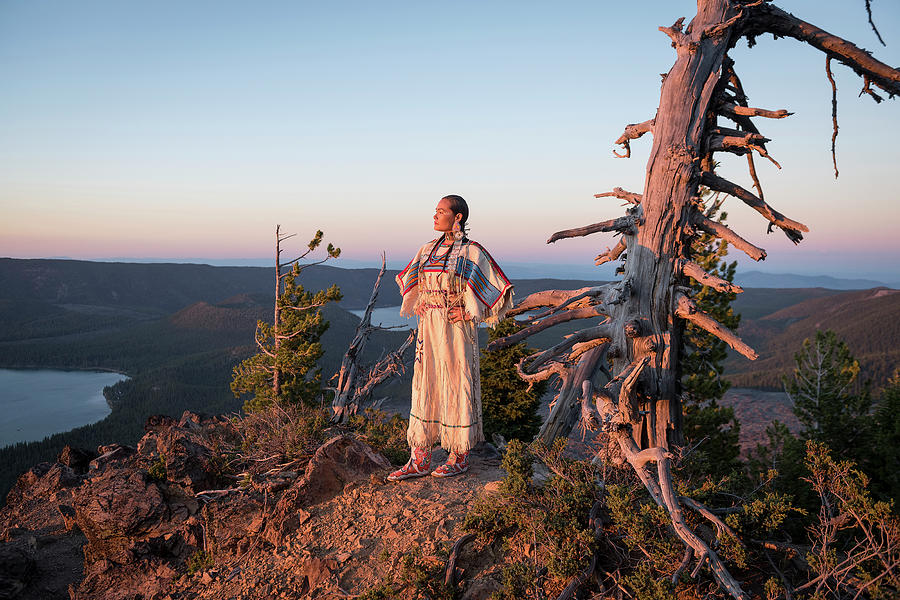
[441,306]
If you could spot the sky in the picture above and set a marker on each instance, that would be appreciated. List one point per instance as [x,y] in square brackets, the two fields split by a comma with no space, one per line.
[188,130]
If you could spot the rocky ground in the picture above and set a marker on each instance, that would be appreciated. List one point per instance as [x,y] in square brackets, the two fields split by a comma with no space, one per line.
[755,410]
[110,526]
[106,526]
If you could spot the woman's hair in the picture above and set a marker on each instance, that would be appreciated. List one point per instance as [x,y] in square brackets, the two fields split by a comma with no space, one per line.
[458,206]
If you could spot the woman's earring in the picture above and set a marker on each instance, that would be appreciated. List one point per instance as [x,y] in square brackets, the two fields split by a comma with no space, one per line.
[457,231]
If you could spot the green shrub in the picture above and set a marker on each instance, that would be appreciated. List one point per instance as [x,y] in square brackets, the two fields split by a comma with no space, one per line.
[385,433]
[509,406]
[547,524]
[157,470]
[200,561]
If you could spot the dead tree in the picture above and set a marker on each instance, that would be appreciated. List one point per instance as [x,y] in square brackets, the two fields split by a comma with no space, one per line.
[643,314]
[354,388]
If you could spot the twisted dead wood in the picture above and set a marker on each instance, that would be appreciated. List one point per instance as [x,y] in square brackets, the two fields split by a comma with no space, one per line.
[640,406]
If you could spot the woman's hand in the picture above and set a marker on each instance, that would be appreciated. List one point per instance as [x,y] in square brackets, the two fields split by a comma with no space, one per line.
[458,314]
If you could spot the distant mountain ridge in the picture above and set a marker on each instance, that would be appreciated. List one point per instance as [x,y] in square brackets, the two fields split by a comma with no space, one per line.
[758,279]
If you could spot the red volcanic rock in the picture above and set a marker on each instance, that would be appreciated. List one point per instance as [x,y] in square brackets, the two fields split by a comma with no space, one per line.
[76,459]
[118,510]
[108,454]
[336,463]
[188,449]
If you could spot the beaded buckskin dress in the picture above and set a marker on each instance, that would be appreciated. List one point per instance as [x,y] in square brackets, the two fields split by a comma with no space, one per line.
[446,388]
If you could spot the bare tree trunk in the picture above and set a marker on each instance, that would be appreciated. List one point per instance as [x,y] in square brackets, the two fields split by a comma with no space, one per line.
[276,372]
[640,408]
[351,389]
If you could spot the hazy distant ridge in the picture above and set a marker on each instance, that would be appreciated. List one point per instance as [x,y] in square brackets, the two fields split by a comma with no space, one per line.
[758,279]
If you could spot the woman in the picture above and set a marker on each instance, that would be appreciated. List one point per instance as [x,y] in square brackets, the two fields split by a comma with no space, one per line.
[452,284]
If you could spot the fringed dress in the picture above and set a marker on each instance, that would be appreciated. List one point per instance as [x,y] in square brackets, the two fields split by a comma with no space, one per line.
[446,388]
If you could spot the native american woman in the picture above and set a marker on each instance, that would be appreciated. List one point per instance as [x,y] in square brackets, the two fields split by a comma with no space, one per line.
[452,284]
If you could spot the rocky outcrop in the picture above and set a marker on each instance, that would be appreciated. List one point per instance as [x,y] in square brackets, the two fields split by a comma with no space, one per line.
[188,449]
[144,516]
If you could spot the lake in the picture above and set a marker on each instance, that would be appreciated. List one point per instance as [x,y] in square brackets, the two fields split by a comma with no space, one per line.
[388,316]
[35,403]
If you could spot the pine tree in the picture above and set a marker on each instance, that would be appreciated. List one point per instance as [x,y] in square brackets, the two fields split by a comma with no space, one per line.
[285,368]
[828,399]
[509,406]
[702,382]
[886,434]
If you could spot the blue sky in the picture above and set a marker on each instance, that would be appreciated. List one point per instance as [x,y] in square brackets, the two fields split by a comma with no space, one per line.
[189,129]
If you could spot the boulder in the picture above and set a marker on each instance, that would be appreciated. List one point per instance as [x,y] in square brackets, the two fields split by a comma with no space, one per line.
[76,459]
[110,454]
[339,461]
[188,448]
[42,481]
[125,516]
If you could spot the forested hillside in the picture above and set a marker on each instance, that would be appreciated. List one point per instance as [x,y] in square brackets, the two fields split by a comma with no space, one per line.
[178,330]
[867,320]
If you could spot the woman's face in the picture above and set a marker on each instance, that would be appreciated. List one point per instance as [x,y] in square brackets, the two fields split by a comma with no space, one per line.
[444,217]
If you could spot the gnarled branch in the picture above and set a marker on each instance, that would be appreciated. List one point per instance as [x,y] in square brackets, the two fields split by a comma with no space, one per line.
[611,254]
[604,330]
[790,227]
[767,18]
[729,109]
[722,232]
[584,312]
[688,310]
[549,298]
[621,224]
[632,132]
[618,192]
[692,269]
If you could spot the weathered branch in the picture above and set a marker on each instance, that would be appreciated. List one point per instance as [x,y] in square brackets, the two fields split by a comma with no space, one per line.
[604,330]
[450,574]
[636,368]
[632,132]
[729,109]
[548,298]
[834,123]
[348,393]
[872,23]
[729,141]
[622,224]
[790,227]
[688,310]
[611,254]
[676,33]
[618,192]
[690,538]
[692,269]
[741,144]
[721,526]
[593,292]
[722,232]
[584,312]
[392,364]
[771,19]
[554,368]
[564,411]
